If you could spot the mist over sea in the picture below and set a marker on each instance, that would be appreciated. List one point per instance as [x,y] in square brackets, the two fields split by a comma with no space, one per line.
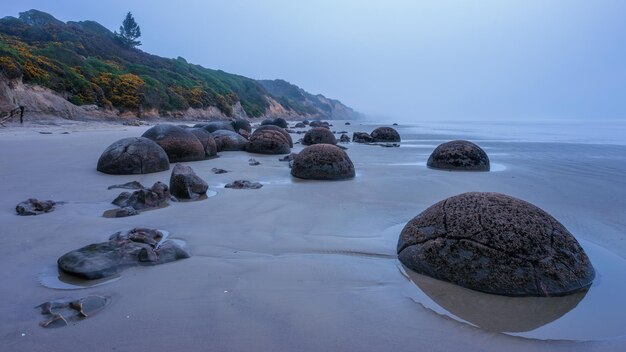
[610,132]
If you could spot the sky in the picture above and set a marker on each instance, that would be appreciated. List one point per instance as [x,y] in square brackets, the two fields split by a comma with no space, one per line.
[403,59]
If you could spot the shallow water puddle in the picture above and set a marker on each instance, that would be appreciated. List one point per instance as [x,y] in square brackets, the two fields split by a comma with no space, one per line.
[596,314]
[52,277]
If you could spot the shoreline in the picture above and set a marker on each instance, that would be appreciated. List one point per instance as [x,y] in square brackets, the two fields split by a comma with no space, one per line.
[295,265]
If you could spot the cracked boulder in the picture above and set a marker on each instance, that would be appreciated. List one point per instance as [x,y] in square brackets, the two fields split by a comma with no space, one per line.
[459,155]
[385,134]
[318,135]
[494,243]
[277,129]
[134,155]
[322,162]
[185,184]
[179,143]
[267,141]
[139,246]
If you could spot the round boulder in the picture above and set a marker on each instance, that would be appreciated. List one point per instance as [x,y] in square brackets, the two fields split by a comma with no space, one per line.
[216,126]
[494,243]
[268,142]
[385,134]
[460,156]
[319,135]
[276,128]
[242,124]
[322,162]
[134,155]
[279,121]
[210,148]
[229,141]
[178,143]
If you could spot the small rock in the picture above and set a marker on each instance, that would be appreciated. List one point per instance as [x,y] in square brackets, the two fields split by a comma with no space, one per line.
[289,157]
[253,162]
[128,185]
[243,184]
[218,171]
[34,206]
[344,138]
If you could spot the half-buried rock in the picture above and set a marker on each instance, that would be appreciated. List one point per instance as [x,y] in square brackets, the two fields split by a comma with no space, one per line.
[497,244]
[178,143]
[268,142]
[385,134]
[322,162]
[185,184]
[139,246]
[134,155]
[459,155]
[319,135]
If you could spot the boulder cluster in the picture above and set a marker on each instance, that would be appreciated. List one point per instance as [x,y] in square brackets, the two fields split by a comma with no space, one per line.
[166,143]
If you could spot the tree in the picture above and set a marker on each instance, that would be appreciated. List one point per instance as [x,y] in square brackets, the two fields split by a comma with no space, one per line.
[129,31]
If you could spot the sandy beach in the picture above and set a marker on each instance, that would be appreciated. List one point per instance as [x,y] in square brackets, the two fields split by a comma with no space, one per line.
[299,265]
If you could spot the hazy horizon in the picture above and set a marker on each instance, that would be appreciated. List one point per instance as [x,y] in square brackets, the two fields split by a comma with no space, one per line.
[490,60]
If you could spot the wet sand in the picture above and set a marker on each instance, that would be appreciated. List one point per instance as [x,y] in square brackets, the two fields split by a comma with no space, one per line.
[295,265]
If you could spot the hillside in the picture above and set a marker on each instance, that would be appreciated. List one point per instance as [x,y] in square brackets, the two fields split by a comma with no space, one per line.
[84,63]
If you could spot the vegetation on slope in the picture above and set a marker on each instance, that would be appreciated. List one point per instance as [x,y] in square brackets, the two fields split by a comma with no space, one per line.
[88,64]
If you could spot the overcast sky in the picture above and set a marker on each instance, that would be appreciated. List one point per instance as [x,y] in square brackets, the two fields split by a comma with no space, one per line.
[409,60]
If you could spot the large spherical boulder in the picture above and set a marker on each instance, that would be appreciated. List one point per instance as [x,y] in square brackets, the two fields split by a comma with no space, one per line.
[210,148]
[216,125]
[385,134]
[276,128]
[229,141]
[134,155]
[322,162]
[279,121]
[268,142]
[242,124]
[495,243]
[459,156]
[178,143]
[319,135]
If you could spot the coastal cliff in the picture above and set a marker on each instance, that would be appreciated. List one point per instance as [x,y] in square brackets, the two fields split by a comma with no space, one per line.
[81,69]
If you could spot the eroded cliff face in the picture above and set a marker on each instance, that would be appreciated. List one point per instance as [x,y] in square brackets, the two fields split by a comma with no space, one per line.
[37,100]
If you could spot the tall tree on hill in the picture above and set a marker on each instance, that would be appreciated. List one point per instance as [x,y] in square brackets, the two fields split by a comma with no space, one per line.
[129,31]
